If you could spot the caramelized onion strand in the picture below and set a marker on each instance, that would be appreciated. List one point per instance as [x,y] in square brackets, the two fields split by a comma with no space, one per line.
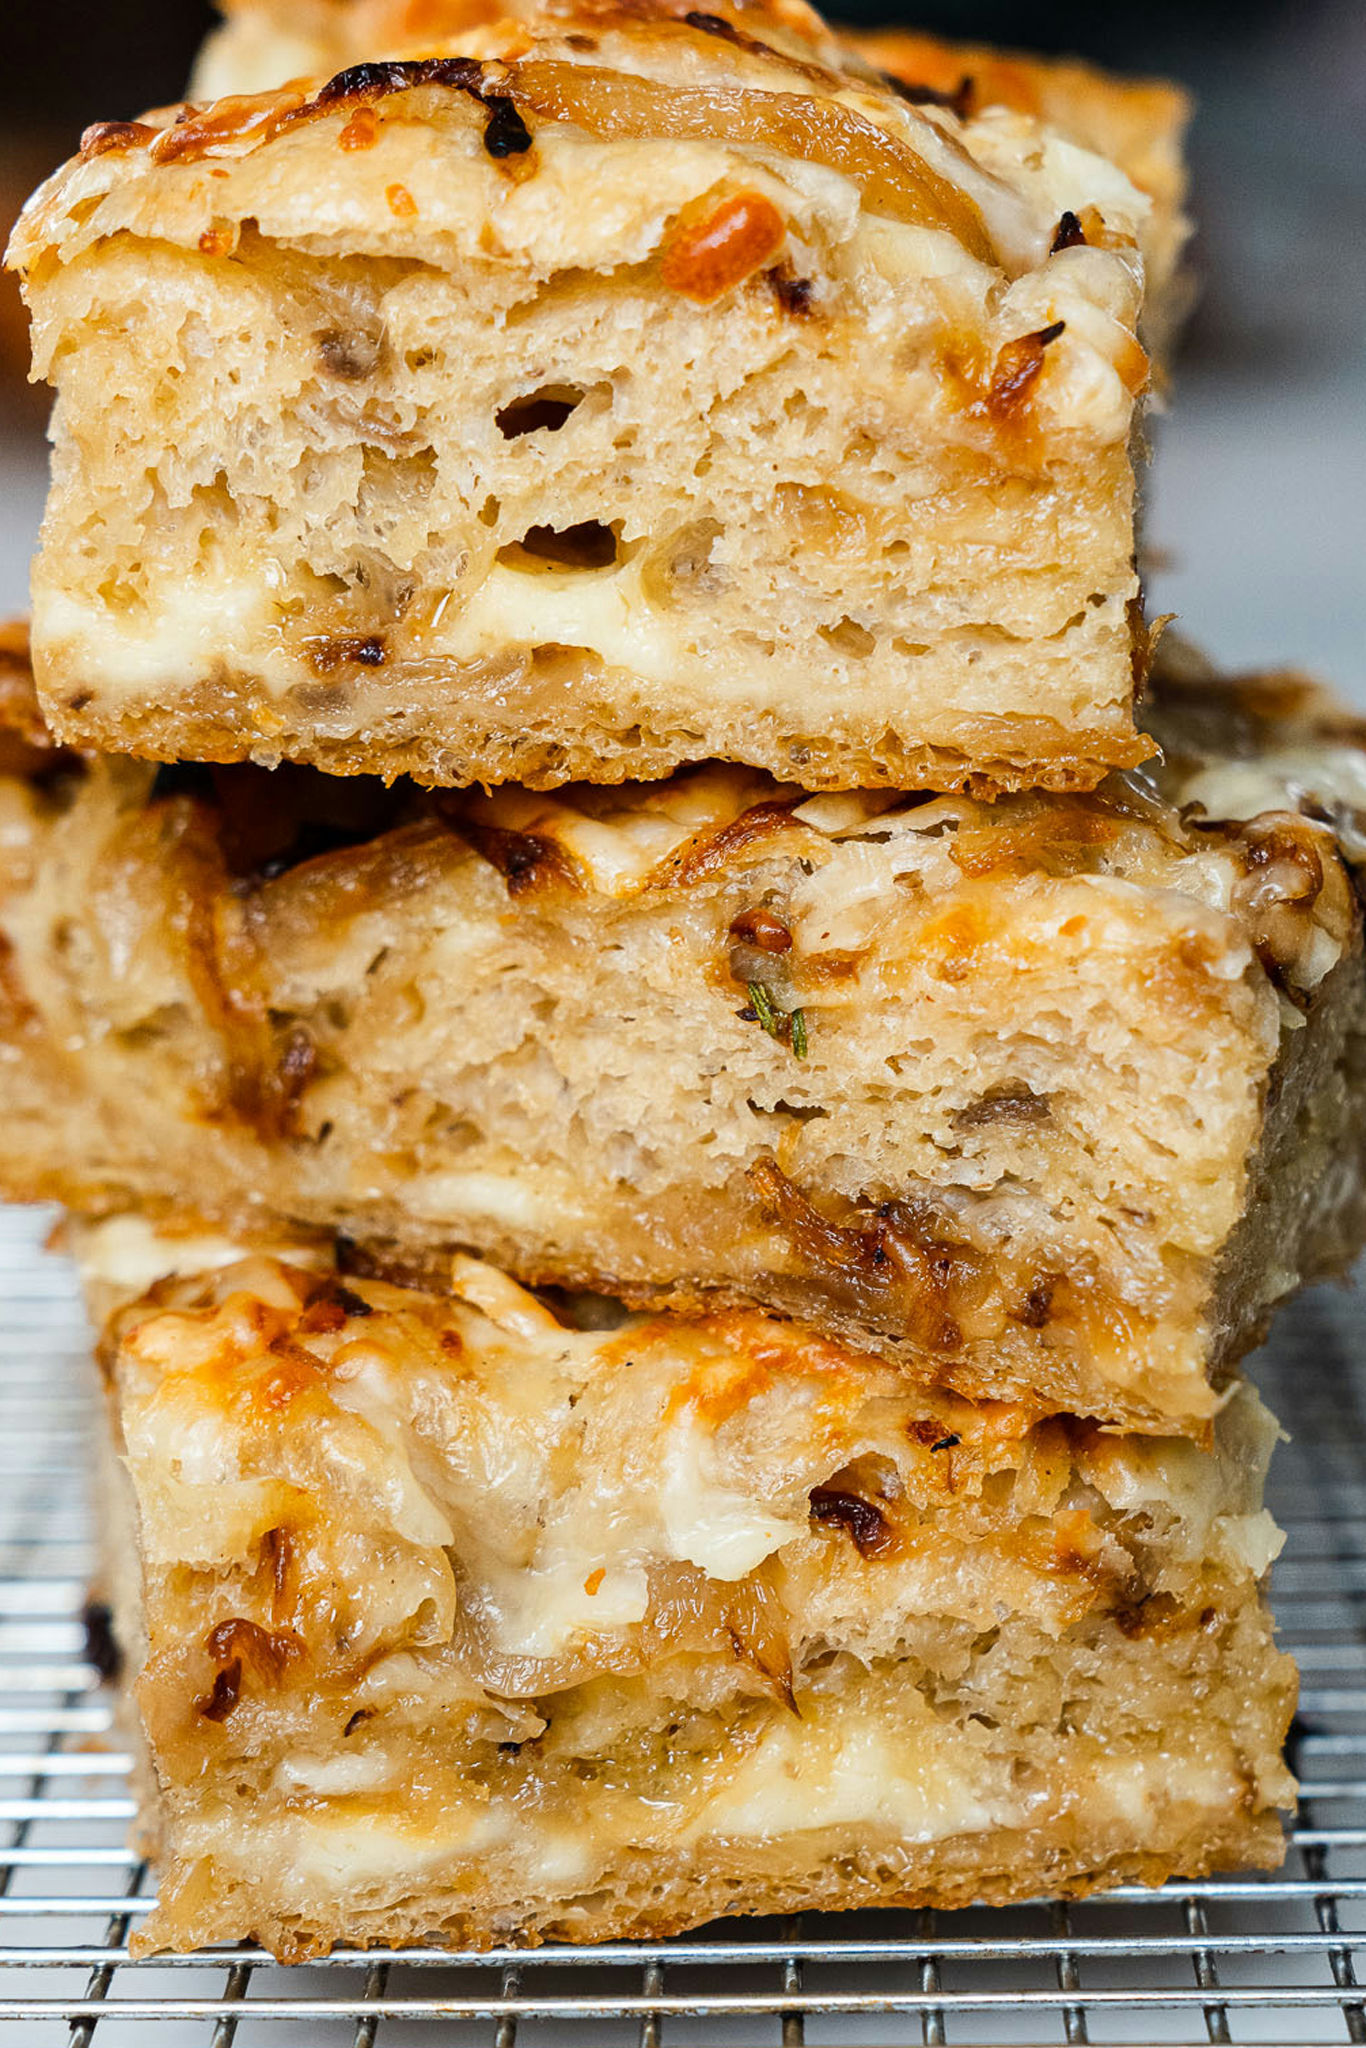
[617,106]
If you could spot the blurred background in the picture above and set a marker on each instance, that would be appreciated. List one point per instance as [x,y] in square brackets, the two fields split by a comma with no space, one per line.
[1258,502]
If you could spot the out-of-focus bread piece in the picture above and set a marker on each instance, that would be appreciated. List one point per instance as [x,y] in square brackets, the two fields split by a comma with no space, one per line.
[1052,1098]
[449,1620]
[620,391]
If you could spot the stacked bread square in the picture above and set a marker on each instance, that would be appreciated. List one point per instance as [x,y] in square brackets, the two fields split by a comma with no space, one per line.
[675,1120]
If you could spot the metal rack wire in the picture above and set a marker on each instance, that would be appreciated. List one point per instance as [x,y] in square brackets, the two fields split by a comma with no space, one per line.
[1274,1960]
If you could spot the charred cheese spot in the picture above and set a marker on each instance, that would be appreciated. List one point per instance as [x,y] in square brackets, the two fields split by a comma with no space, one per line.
[711,854]
[104,136]
[527,861]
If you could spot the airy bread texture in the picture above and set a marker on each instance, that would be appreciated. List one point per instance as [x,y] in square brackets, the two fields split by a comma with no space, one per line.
[1137,123]
[451,1620]
[1051,1098]
[623,390]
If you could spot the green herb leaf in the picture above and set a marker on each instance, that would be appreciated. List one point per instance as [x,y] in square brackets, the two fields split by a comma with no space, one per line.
[761,1002]
[788,1024]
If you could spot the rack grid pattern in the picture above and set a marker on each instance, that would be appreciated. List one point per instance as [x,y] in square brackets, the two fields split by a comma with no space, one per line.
[1274,1960]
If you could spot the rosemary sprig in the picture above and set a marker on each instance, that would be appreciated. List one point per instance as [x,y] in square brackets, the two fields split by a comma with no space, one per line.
[761,1002]
[789,1024]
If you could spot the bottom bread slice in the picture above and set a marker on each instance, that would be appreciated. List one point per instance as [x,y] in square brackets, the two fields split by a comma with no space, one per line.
[453,1618]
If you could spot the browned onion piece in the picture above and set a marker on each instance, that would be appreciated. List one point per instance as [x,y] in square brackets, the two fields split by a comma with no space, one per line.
[689,1615]
[513,1677]
[743,1618]
[617,106]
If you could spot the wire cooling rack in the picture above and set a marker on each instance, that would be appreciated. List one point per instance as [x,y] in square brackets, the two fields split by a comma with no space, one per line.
[1230,1960]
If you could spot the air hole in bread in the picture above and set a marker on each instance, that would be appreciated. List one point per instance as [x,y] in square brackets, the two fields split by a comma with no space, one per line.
[587,545]
[543,411]
[849,637]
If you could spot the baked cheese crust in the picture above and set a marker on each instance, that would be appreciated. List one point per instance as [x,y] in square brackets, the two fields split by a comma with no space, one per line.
[451,1619]
[615,390]
[1137,123]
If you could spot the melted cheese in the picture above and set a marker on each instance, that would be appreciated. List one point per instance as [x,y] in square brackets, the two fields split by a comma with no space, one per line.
[175,640]
[333,1777]
[546,1612]
[509,1199]
[630,834]
[130,1254]
[1281,780]
[602,610]
[563,1467]
[723,1532]
[922,1784]
[910,1784]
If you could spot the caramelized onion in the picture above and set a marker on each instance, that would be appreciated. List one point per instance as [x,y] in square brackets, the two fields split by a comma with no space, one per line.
[898,1258]
[745,1617]
[513,1677]
[618,106]
[688,1615]
[241,117]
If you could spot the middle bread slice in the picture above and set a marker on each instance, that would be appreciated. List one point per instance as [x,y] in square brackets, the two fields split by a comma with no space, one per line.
[1047,1099]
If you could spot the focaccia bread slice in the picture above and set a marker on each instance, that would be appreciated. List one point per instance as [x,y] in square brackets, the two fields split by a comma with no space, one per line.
[450,1620]
[1051,1098]
[1137,123]
[623,390]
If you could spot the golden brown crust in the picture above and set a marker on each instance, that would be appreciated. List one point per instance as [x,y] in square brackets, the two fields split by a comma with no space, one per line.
[655,1898]
[245,724]
[1137,123]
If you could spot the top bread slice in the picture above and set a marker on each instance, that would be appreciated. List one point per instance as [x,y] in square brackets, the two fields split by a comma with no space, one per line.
[611,391]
